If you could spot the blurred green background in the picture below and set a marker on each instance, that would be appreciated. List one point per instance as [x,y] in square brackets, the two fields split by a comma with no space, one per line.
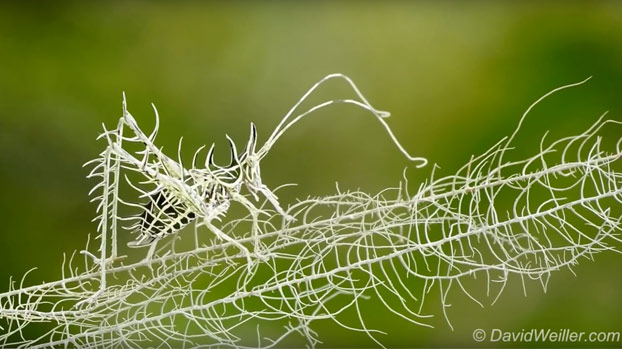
[455,75]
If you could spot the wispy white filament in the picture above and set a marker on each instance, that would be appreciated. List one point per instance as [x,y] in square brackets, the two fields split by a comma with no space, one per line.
[491,220]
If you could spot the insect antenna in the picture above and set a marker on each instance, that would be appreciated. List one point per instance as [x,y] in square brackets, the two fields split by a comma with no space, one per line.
[363,103]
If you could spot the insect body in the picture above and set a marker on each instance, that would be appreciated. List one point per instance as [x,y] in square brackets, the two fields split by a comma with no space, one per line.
[206,192]
[162,215]
[175,196]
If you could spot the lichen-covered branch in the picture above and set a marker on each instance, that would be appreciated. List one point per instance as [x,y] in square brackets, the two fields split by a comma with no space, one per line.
[492,220]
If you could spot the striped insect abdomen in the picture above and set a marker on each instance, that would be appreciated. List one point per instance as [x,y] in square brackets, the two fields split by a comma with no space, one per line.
[162,215]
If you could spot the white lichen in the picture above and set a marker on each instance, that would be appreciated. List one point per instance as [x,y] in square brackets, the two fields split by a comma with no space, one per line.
[491,220]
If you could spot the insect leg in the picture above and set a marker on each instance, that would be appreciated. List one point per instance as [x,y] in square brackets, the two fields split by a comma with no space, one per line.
[254,211]
[274,200]
[116,174]
[151,251]
[196,236]
[108,169]
[221,235]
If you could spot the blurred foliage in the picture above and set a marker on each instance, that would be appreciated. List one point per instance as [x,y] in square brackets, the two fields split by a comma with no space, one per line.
[455,75]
